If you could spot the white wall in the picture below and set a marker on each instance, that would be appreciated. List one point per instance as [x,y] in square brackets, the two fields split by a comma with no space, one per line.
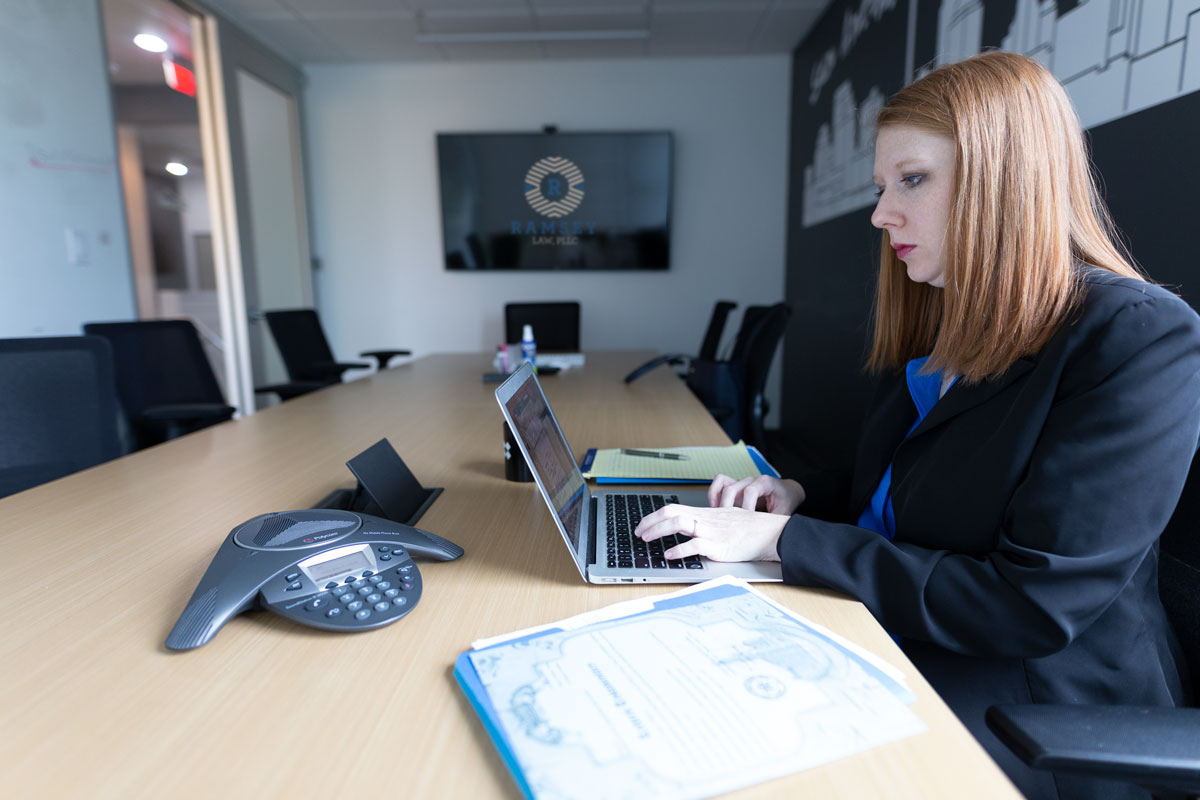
[194,218]
[371,156]
[58,171]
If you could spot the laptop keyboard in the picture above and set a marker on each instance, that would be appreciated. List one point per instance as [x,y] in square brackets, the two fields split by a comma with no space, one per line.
[624,512]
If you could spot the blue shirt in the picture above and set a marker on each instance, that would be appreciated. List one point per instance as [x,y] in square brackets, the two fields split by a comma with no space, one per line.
[925,390]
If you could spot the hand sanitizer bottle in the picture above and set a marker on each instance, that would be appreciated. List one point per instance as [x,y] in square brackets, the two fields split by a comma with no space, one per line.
[528,346]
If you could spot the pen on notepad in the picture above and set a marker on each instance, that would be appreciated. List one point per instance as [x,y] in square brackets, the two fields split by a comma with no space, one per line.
[654,454]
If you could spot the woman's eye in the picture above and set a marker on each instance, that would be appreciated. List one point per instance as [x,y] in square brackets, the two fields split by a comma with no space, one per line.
[878,192]
[910,181]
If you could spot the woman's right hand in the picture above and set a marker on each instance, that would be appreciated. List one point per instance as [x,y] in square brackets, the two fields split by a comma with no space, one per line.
[763,493]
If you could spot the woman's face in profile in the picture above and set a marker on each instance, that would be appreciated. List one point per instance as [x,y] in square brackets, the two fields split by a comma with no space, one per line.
[914,174]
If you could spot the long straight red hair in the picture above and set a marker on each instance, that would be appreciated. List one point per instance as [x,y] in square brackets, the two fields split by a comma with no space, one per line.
[1025,211]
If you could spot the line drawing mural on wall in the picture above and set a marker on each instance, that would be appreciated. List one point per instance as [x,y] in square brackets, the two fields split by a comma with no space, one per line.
[838,179]
[1115,58]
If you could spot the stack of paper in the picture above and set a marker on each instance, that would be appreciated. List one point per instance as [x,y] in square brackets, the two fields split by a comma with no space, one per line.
[684,695]
[701,465]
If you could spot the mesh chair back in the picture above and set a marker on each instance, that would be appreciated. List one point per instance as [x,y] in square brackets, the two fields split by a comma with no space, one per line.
[716,326]
[762,344]
[58,410]
[555,325]
[159,363]
[760,351]
[751,317]
[301,341]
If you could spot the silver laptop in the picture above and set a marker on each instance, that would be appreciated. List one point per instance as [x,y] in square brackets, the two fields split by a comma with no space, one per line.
[598,526]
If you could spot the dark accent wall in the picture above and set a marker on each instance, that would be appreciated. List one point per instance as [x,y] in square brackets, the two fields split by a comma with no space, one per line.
[1148,162]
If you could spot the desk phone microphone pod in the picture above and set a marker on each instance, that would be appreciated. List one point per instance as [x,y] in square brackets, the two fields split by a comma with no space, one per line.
[326,568]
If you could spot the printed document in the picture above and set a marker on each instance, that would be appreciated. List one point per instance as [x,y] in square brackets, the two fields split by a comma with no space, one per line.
[686,695]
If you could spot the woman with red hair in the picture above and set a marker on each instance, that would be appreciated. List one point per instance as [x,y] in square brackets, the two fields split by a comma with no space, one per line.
[1036,416]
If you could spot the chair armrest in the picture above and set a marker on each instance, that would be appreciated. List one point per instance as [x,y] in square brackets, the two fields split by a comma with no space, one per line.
[1156,748]
[384,356]
[186,412]
[157,423]
[674,358]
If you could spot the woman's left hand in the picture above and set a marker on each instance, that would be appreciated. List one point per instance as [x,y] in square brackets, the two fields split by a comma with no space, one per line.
[722,534]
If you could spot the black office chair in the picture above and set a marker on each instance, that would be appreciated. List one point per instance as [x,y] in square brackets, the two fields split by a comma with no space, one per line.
[555,325]
[733,390]
[164,380]
[708,346]
[58,410]
[757,353]
[716,327]
[305,350]
[1155,748]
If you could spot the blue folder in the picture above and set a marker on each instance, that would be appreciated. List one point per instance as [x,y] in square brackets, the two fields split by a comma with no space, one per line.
[468,680]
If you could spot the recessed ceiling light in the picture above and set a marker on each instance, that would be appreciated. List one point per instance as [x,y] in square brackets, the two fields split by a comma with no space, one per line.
[175,168]
[148,41]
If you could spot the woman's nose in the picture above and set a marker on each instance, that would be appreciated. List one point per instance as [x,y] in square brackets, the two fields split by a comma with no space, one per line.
[885,214]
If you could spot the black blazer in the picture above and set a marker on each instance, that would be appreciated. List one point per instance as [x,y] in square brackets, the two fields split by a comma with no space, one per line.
[1028,510]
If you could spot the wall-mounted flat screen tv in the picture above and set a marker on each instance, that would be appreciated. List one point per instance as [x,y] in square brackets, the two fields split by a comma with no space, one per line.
[556,201]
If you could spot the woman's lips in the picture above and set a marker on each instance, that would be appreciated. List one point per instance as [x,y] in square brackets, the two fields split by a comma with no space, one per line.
[903,250]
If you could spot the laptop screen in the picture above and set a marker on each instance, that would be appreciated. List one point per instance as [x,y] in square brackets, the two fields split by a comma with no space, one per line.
[549,456]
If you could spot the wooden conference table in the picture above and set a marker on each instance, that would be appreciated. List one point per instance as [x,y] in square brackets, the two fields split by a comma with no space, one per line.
[99,565]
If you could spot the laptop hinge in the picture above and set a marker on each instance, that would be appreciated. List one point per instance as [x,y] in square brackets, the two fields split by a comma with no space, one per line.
[591,555]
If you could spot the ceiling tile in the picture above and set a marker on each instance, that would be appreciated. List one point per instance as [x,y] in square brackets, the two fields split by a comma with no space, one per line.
[717,29]
[373,30]
[379,40]
[693,49]
[611,22]
[782,31]
[596,50]
[295,40]
[499,51]
[506,23]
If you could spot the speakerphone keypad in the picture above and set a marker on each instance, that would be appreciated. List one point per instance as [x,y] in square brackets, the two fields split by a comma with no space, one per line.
[369,597]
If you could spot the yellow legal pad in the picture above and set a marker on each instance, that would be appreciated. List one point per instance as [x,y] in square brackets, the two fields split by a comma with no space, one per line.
[703,464]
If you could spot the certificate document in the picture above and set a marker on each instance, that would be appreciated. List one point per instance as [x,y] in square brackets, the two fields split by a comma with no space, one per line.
[706,691]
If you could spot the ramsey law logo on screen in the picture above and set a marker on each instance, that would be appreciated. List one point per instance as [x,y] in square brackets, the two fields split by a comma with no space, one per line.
[554,187]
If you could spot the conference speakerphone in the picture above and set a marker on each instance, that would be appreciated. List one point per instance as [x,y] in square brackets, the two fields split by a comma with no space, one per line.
[325,568]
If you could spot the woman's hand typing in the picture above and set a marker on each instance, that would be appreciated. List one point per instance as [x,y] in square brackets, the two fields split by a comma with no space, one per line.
[722,534]
[762,493]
